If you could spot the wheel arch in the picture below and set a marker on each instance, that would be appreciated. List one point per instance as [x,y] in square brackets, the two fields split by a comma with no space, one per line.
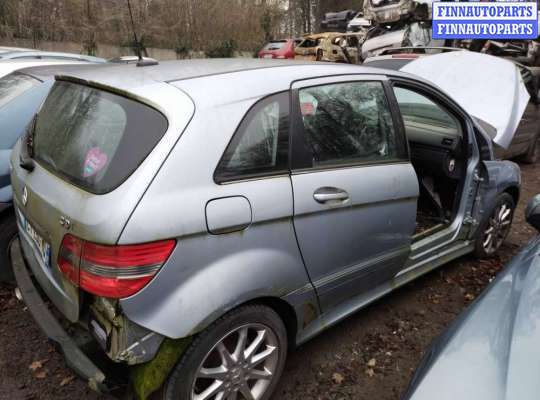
[513,191]
[284,310]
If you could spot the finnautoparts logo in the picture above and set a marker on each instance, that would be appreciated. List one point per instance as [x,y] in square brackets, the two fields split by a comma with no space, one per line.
[500,20]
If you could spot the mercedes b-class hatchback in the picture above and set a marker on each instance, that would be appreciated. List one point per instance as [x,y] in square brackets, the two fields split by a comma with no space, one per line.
[195,219]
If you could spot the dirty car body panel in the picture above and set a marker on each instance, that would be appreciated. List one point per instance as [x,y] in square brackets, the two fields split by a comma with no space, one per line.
[295,233]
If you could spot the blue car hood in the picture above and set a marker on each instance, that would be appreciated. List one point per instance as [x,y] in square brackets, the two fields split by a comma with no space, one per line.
[492,351]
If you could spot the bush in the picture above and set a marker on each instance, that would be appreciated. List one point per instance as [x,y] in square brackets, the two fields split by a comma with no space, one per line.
[225,49]
[183,48]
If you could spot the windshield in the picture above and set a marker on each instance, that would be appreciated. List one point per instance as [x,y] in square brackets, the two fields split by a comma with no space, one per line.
[94,139]
[13,85]
[275,45]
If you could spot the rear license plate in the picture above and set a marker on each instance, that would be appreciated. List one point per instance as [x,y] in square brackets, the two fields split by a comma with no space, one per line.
[40,245]
[268,56]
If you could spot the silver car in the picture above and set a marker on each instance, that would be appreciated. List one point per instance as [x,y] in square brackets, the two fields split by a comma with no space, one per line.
[199,218]
[21,54]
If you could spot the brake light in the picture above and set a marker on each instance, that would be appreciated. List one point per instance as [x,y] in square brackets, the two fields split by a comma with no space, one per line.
[69,258]
[112,271]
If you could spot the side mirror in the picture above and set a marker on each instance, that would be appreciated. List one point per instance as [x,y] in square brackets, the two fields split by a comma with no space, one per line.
[532,213]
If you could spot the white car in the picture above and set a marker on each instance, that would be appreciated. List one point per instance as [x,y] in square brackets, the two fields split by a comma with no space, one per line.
[6,49]
[9,66]
[358,23]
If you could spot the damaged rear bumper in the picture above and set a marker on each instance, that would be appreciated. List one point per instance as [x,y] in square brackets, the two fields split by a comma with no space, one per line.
[79,362]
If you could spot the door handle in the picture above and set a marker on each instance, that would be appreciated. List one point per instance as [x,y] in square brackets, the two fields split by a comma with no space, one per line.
[330,194]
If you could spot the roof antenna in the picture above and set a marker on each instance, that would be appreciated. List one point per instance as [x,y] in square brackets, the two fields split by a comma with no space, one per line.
[142,62]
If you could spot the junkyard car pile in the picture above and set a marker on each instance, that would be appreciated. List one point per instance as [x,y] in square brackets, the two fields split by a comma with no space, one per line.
[192,238]
[352,37]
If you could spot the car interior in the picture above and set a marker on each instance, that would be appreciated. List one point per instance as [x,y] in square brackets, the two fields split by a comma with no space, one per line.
[436,145]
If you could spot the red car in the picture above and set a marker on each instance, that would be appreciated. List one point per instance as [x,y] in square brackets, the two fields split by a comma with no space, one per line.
[279,49]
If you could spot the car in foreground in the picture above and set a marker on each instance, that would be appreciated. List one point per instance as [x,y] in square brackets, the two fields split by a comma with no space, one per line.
[48,55]
[196,235]
[525,146]
[21,94]
[331,46]
[131,60]
[280,49]
[492,350]
[7,49]
[9,66]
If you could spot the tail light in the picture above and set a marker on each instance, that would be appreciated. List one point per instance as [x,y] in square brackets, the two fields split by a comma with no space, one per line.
[112,271]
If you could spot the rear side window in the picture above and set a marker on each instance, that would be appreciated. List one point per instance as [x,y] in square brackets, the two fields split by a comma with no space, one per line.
[13,85]
[260,145]
[92,138]
[348,123]
[275,45]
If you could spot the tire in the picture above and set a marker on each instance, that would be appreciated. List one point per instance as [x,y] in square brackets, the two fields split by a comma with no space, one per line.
[498,223]
[532,155]
[8,231]
[203,354]
[319,55]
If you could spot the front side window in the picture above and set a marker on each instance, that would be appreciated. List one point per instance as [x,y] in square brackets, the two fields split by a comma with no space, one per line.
[346,123]
[92,138]
[423,117]
[260,145]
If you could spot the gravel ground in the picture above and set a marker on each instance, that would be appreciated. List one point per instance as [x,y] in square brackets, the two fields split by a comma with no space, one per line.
[371,355]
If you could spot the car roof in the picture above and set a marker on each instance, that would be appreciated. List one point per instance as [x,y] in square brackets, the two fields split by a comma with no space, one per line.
[49,71]
[388,62]
[9,66]
[44,54]
[130,77]
[6,49]
[214,82]
[322,35]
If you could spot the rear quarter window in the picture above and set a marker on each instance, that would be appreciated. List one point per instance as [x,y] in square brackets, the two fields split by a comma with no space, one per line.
[93,138]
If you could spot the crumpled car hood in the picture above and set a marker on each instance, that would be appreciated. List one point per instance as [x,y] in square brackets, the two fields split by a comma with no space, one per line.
[492,351]
[487,87]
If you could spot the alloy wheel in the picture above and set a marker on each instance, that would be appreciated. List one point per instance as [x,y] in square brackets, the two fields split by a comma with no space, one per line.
[497,228]
[240,366]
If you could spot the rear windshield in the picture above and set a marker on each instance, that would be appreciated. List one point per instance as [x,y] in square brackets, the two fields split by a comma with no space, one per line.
[92,138]
[13,85]
[275,45]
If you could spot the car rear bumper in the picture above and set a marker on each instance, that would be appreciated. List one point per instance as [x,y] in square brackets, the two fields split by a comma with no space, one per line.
[79,362]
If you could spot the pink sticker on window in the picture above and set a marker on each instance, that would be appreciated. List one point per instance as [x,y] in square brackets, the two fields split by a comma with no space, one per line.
[95,161]
[307,109]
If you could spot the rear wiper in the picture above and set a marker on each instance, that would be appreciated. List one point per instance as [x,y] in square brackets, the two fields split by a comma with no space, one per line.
[25,158]
[27,163]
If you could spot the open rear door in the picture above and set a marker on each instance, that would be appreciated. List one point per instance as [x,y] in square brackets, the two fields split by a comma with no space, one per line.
[487,87]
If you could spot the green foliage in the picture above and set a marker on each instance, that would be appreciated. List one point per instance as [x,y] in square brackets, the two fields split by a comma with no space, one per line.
[183,48]
[224,49]
[149,377]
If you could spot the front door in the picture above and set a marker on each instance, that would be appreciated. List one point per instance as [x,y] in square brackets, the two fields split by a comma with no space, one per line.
[355,191]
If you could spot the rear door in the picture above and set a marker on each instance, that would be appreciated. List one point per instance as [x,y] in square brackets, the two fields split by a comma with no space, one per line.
[355,191]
